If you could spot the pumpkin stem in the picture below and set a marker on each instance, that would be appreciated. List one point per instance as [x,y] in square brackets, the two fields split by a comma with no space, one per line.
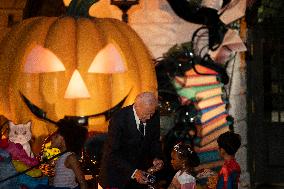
[79,8]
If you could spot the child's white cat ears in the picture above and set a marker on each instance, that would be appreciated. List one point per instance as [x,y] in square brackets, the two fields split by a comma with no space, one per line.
[29,124]
[11,124]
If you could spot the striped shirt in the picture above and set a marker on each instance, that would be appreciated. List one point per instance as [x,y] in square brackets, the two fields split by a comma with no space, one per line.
[64,177]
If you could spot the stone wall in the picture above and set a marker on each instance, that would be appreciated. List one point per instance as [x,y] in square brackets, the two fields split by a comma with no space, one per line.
[238,109]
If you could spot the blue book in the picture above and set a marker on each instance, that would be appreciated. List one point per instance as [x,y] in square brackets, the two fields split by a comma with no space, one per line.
[209,156]
[206,115]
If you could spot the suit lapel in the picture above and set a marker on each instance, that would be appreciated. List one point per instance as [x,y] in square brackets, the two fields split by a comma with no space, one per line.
[132,122]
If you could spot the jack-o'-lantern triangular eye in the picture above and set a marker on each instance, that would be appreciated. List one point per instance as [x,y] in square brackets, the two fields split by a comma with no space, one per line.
[108,60]
[42,60]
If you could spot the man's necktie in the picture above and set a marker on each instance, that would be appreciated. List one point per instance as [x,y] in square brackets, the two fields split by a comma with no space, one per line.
[141,128]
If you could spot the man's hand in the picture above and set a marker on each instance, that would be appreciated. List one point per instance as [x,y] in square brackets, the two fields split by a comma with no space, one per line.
[157,165]
[140,177]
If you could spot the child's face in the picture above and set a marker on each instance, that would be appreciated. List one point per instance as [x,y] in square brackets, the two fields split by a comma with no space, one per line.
[221,152]
[56,140]
[176,162]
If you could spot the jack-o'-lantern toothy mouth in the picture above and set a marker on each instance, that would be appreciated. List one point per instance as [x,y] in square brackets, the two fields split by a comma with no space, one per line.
[78,120]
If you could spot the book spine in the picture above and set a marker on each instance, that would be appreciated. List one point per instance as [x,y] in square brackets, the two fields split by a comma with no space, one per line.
[214,135]
[208,147]
[209,156]
[207,130]
[209,93]
[200,69]
[208,114]
[190,92]
[216,119]
[209,102]
[197,80]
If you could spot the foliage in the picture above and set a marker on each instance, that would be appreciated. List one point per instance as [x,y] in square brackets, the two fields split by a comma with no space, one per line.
[49,152]
[270,9]
[178,49]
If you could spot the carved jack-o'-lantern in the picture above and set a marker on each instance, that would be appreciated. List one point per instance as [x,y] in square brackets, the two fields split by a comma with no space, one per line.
[53,61]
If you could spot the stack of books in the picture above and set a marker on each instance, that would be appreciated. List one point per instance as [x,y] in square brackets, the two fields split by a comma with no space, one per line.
[206,92]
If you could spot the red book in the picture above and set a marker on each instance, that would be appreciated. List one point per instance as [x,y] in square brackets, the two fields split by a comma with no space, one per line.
[209,147]
[199,80]
[201,69]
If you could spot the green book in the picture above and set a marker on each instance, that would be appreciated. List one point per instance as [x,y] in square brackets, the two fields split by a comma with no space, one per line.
[190,92]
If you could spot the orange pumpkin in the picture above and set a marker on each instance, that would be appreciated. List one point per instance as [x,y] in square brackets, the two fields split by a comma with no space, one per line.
[74,43]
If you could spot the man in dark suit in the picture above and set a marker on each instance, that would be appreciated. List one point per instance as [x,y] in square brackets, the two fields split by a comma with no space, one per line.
[133,145]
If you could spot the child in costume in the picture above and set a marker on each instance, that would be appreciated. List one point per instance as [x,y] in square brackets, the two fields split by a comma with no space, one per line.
[17,160]
[184,159]
[69,139]
[228,177]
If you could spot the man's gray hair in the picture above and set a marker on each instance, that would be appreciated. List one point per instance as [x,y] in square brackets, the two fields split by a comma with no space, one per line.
[147,98]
